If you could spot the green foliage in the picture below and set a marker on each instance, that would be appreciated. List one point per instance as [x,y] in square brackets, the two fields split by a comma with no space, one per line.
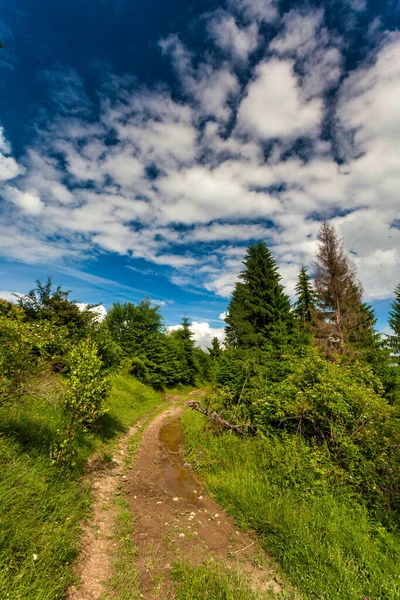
[45,304]
[259,311]
[86,392]
[110,353]
[291,495]
[394,320]
[184,346]
[87,387]
[215,351]
[135,328]
[210,581]
[24,346]
[157,358]
[305,305]
[342,408]
[43,506]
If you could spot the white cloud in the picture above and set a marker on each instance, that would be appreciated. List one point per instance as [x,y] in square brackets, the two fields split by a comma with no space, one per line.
[99,311]
[234,40]
[261,10]
[9,168]
[9,296]
[317,52]
[209,88]
[200,159]
[203,333]
[274,106]
[29,202]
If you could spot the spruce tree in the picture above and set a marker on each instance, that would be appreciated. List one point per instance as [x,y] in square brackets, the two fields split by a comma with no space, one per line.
[215,351]
[394,320]
[305,306]
[259,313]
[185,351]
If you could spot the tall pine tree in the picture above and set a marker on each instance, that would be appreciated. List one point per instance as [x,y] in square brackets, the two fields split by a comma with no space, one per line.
[394,320]
[259,314]
[305,306]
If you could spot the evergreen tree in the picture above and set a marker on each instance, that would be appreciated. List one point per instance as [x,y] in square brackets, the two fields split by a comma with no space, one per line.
[394,320]
[259,313]
[305,306]
[135,328]
[215,351]
[184,345]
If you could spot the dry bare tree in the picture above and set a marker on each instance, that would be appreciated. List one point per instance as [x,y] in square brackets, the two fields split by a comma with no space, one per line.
[338,291]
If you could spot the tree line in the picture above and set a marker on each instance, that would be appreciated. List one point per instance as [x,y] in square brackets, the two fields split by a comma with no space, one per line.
[316,370]
[51,348]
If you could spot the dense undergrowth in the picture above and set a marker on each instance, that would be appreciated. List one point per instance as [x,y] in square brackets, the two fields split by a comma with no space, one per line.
[321,533]
[42,503]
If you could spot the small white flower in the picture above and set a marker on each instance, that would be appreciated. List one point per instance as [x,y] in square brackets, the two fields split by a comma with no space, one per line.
[35,557]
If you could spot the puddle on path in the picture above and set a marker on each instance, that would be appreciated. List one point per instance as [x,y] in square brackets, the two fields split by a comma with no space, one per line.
[176,479]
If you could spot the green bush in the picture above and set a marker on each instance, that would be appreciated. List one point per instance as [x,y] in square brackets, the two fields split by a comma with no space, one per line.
[341,408]
[87,386]
[26,350]
[86,392]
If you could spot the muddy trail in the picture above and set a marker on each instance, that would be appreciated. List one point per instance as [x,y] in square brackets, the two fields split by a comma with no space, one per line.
[175,519]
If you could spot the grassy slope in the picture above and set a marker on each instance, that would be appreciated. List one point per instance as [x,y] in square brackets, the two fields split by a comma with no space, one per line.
[42,506]
[325,542]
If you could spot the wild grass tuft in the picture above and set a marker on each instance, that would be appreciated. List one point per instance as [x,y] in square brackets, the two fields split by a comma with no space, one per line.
[325,540]
[42,505]
[210,581]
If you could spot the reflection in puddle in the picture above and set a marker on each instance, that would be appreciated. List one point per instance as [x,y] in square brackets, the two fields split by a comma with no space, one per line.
[175,478]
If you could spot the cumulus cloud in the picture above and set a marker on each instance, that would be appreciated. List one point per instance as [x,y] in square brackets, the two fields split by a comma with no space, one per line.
[316,51]
[202,333]
[274,106]
[29,202]
[9,168]
[239,152]
[234,40]
[9,296]
[99,311]
[260,10]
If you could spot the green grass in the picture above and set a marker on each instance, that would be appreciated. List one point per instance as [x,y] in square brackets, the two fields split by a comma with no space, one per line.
[210,581]
[124,582]
[326,542]
[42,505]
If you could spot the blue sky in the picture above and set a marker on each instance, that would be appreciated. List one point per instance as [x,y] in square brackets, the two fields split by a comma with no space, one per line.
[144,145]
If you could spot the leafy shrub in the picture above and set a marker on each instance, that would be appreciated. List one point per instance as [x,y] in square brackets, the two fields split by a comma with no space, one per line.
[87,387]
[25,348]
[342,408]
[87,390]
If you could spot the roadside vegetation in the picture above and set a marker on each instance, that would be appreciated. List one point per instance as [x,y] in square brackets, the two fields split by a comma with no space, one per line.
[311,387]
[315,391]
[67,390]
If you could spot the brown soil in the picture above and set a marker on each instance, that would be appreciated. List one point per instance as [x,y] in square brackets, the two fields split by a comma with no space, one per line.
[174,519]
[94,565]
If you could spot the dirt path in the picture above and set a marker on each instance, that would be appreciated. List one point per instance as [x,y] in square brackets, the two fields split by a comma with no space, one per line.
[174,518]
[94,566]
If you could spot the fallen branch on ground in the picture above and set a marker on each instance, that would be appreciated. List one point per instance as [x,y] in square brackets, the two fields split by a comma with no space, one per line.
[216,418]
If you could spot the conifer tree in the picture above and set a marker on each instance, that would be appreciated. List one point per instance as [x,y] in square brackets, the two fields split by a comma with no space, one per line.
[259,313]
[305,306]
[394,320]
[339,294]
[215,351]
[184,344]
